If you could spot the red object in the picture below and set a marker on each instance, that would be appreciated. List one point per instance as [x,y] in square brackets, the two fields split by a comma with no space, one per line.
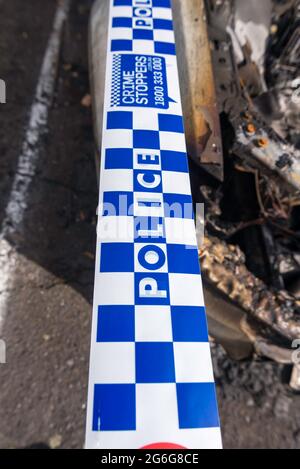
[163,446]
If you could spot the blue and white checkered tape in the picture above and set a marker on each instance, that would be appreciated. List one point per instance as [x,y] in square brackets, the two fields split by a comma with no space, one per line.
[151,379]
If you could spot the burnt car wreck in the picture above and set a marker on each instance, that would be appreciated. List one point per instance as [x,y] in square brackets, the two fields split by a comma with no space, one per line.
[251,252]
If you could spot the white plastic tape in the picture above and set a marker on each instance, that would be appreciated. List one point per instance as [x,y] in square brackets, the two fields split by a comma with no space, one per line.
[151,381]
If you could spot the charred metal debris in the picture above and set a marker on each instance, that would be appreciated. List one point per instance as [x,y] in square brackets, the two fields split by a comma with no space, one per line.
[252,248]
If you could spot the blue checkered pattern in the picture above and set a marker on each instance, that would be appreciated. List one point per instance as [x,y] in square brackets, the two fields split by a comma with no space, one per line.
[143,27]
[154,355]
[151,376]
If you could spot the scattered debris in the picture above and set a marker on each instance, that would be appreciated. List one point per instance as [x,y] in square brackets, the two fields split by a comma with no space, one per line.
[86,101]
[89,255]
[55,441]
[67,67]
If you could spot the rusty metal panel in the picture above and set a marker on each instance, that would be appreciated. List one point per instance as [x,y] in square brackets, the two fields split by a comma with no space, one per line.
[197,83]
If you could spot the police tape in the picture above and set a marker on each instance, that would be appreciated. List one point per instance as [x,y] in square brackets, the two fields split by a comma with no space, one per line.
[151,381]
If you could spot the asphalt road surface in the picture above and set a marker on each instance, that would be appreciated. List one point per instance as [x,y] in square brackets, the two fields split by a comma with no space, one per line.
[47,294]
